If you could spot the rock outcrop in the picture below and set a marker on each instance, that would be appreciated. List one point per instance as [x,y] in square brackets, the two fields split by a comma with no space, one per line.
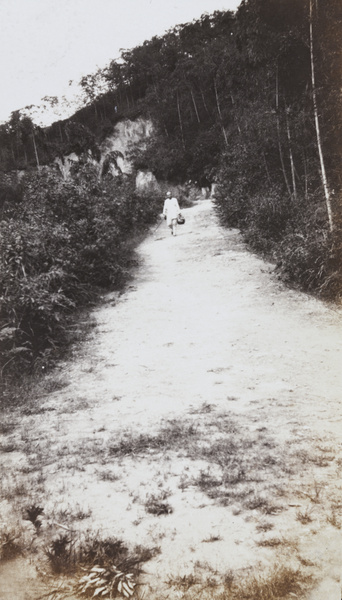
[126,133]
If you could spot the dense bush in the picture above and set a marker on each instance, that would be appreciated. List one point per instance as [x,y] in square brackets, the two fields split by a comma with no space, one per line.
[59,243]
[313,262]
[295,234]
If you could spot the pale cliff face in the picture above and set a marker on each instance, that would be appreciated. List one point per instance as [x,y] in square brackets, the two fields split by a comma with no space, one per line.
[125,134]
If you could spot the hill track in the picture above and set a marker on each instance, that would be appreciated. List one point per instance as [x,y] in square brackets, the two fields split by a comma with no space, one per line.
[204,337]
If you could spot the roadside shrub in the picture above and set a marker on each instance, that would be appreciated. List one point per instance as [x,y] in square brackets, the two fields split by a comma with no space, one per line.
[271,213]
[280,582]
[105,567]
[292,232]
[308,260]
[60,243]
[61,555]
[10,195]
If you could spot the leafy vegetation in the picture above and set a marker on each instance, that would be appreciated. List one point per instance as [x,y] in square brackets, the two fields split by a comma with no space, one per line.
[101,581]
[61,242]
[279,583]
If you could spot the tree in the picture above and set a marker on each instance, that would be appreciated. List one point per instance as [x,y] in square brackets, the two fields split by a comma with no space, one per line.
[317,125]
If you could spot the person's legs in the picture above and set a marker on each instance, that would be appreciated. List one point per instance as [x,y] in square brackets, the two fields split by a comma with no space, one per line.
[174,226]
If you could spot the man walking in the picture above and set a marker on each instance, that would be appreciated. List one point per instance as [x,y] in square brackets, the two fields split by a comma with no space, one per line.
[171,211]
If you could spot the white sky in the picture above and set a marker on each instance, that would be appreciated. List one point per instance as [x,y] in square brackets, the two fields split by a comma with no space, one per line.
[46,43]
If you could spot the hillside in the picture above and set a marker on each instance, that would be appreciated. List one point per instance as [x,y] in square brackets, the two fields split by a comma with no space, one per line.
[249,101]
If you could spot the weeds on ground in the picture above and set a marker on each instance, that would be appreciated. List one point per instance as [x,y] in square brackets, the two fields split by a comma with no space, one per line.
[183,582]
[334,520]
[206,481]
[54,384]
[276,584]
[107,475]
[169,437]
[33,514]
[279,583]
[61,554]
[102,567]
[68,513]
[264,526]
[204,409]
[240,461]
[255,501]
[185,481]
[315,492]
[10,546]
[81,513]
[212,538]
[323,457]
[157,504]
[14,487]
[304,516]
[273,542]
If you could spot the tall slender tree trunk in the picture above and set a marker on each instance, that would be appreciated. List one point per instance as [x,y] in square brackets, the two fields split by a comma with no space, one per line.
[235,116]
[220,115]
[281,156]
[180,121]
[293,174]
[204,102]
[305,176]
[35,150]
[195,106]
[266,167]
[318,132]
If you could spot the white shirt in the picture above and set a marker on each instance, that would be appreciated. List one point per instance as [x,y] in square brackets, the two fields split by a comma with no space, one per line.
[171,209]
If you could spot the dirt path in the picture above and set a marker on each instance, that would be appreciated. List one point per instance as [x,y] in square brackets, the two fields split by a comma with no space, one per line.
[205,344]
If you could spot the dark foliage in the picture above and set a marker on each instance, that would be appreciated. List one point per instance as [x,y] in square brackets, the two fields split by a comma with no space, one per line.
[59,243]
[67,554]
[33,514]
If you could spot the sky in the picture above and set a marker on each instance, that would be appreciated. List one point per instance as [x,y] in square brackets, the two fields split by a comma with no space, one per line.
[44,44]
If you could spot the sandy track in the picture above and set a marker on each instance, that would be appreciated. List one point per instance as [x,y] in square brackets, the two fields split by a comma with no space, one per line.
[205,319]
[203,323]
